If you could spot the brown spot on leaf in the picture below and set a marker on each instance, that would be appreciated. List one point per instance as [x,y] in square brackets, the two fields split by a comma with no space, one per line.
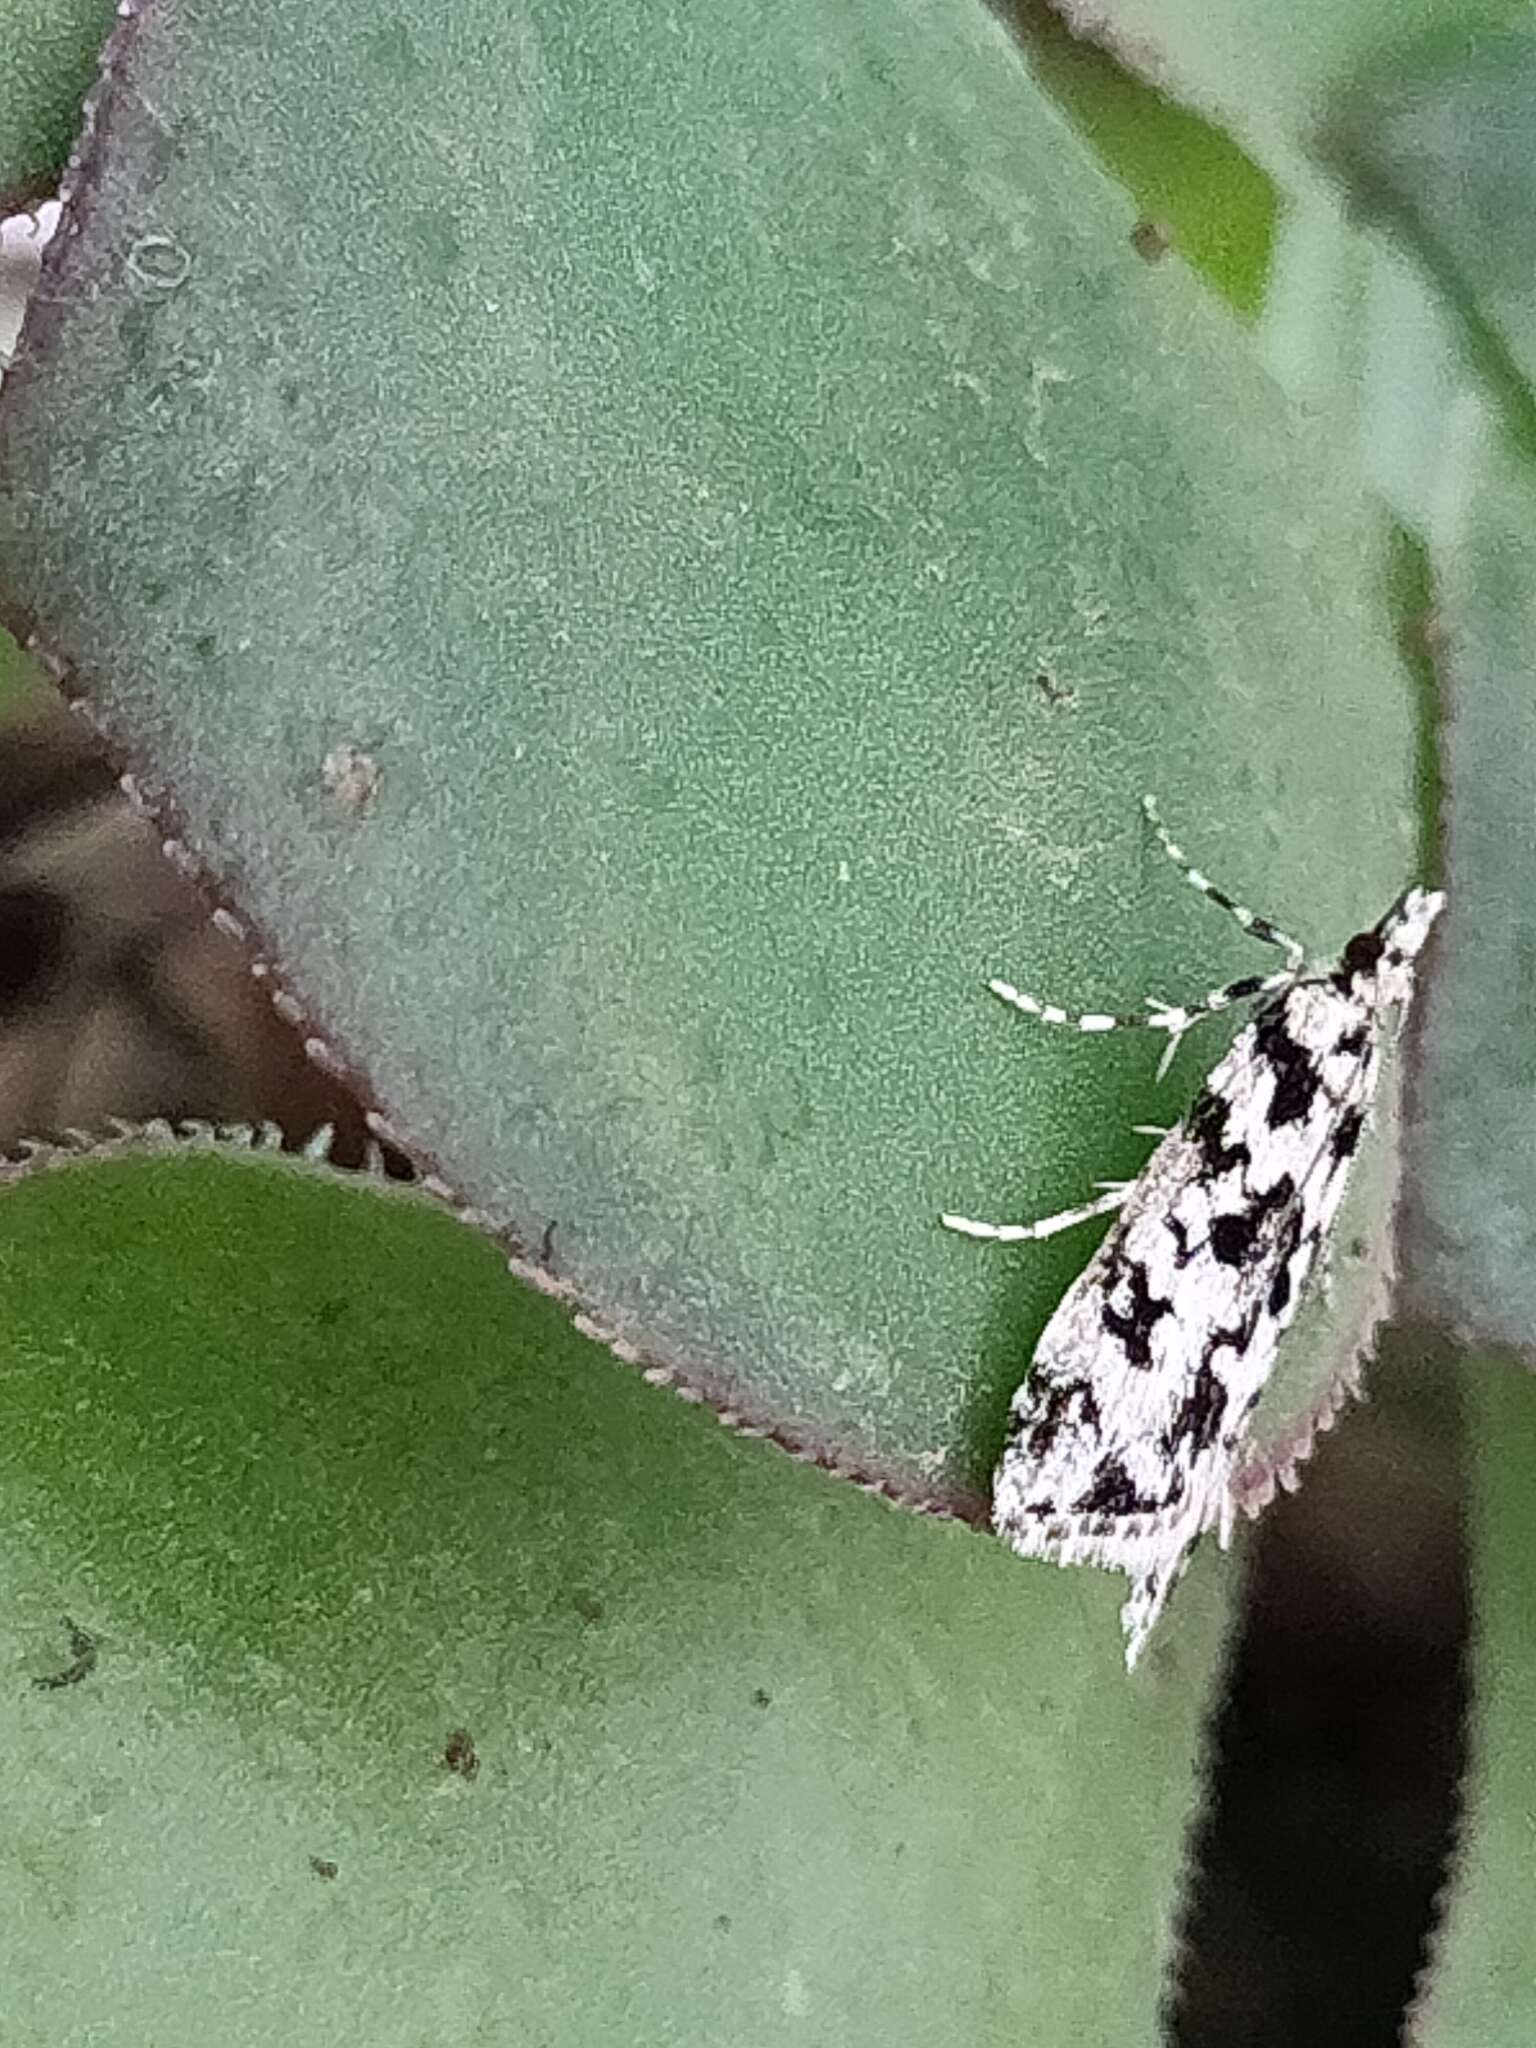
[1151,239]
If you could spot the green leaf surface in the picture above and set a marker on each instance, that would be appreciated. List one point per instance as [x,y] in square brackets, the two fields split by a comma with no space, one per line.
[1481,1993]
[1441,157]
[1189,178]
[765,526]
[1471,1250]
[22,683]
[50,50]
[759,1759]
[1439,151]
[1271,74]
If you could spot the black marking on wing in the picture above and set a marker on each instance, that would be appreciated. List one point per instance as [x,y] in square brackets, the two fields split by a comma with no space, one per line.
[1133,1325]
[1235,991]
[1241,1238]
[1233,1339]
[1206,1127]
[1113,1492]
[1287,1245]
[1201,1414]
[1233,1238]
[1359,959]
[1346,1134]
[1058,1403]
[1294,1068]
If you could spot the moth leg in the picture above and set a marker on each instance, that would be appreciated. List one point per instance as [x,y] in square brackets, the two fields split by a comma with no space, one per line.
[1174,1018]
[1104,1204]
[1259,927]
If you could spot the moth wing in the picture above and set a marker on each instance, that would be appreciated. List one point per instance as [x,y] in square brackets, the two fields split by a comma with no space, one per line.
[1085,1477]
[1124,1436]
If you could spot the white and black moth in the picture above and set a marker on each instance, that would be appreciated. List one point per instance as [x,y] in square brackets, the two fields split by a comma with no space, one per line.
[1123,1440]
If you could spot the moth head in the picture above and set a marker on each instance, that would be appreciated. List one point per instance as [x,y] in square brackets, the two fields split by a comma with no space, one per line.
[1379,962]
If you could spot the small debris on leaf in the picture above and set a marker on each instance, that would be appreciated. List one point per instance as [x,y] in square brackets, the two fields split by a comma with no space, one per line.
[351,776]
[1152,239]
[460,1753]
[83,1651]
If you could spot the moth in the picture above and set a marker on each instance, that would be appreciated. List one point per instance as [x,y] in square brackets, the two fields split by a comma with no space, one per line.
[1123,1439]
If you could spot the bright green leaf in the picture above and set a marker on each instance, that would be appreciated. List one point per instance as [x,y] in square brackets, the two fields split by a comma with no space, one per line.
[759,1759]
[48,56]
[1271,74]
[1189,178]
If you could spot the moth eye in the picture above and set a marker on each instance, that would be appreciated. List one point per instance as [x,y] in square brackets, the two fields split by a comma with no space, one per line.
[1363,953]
